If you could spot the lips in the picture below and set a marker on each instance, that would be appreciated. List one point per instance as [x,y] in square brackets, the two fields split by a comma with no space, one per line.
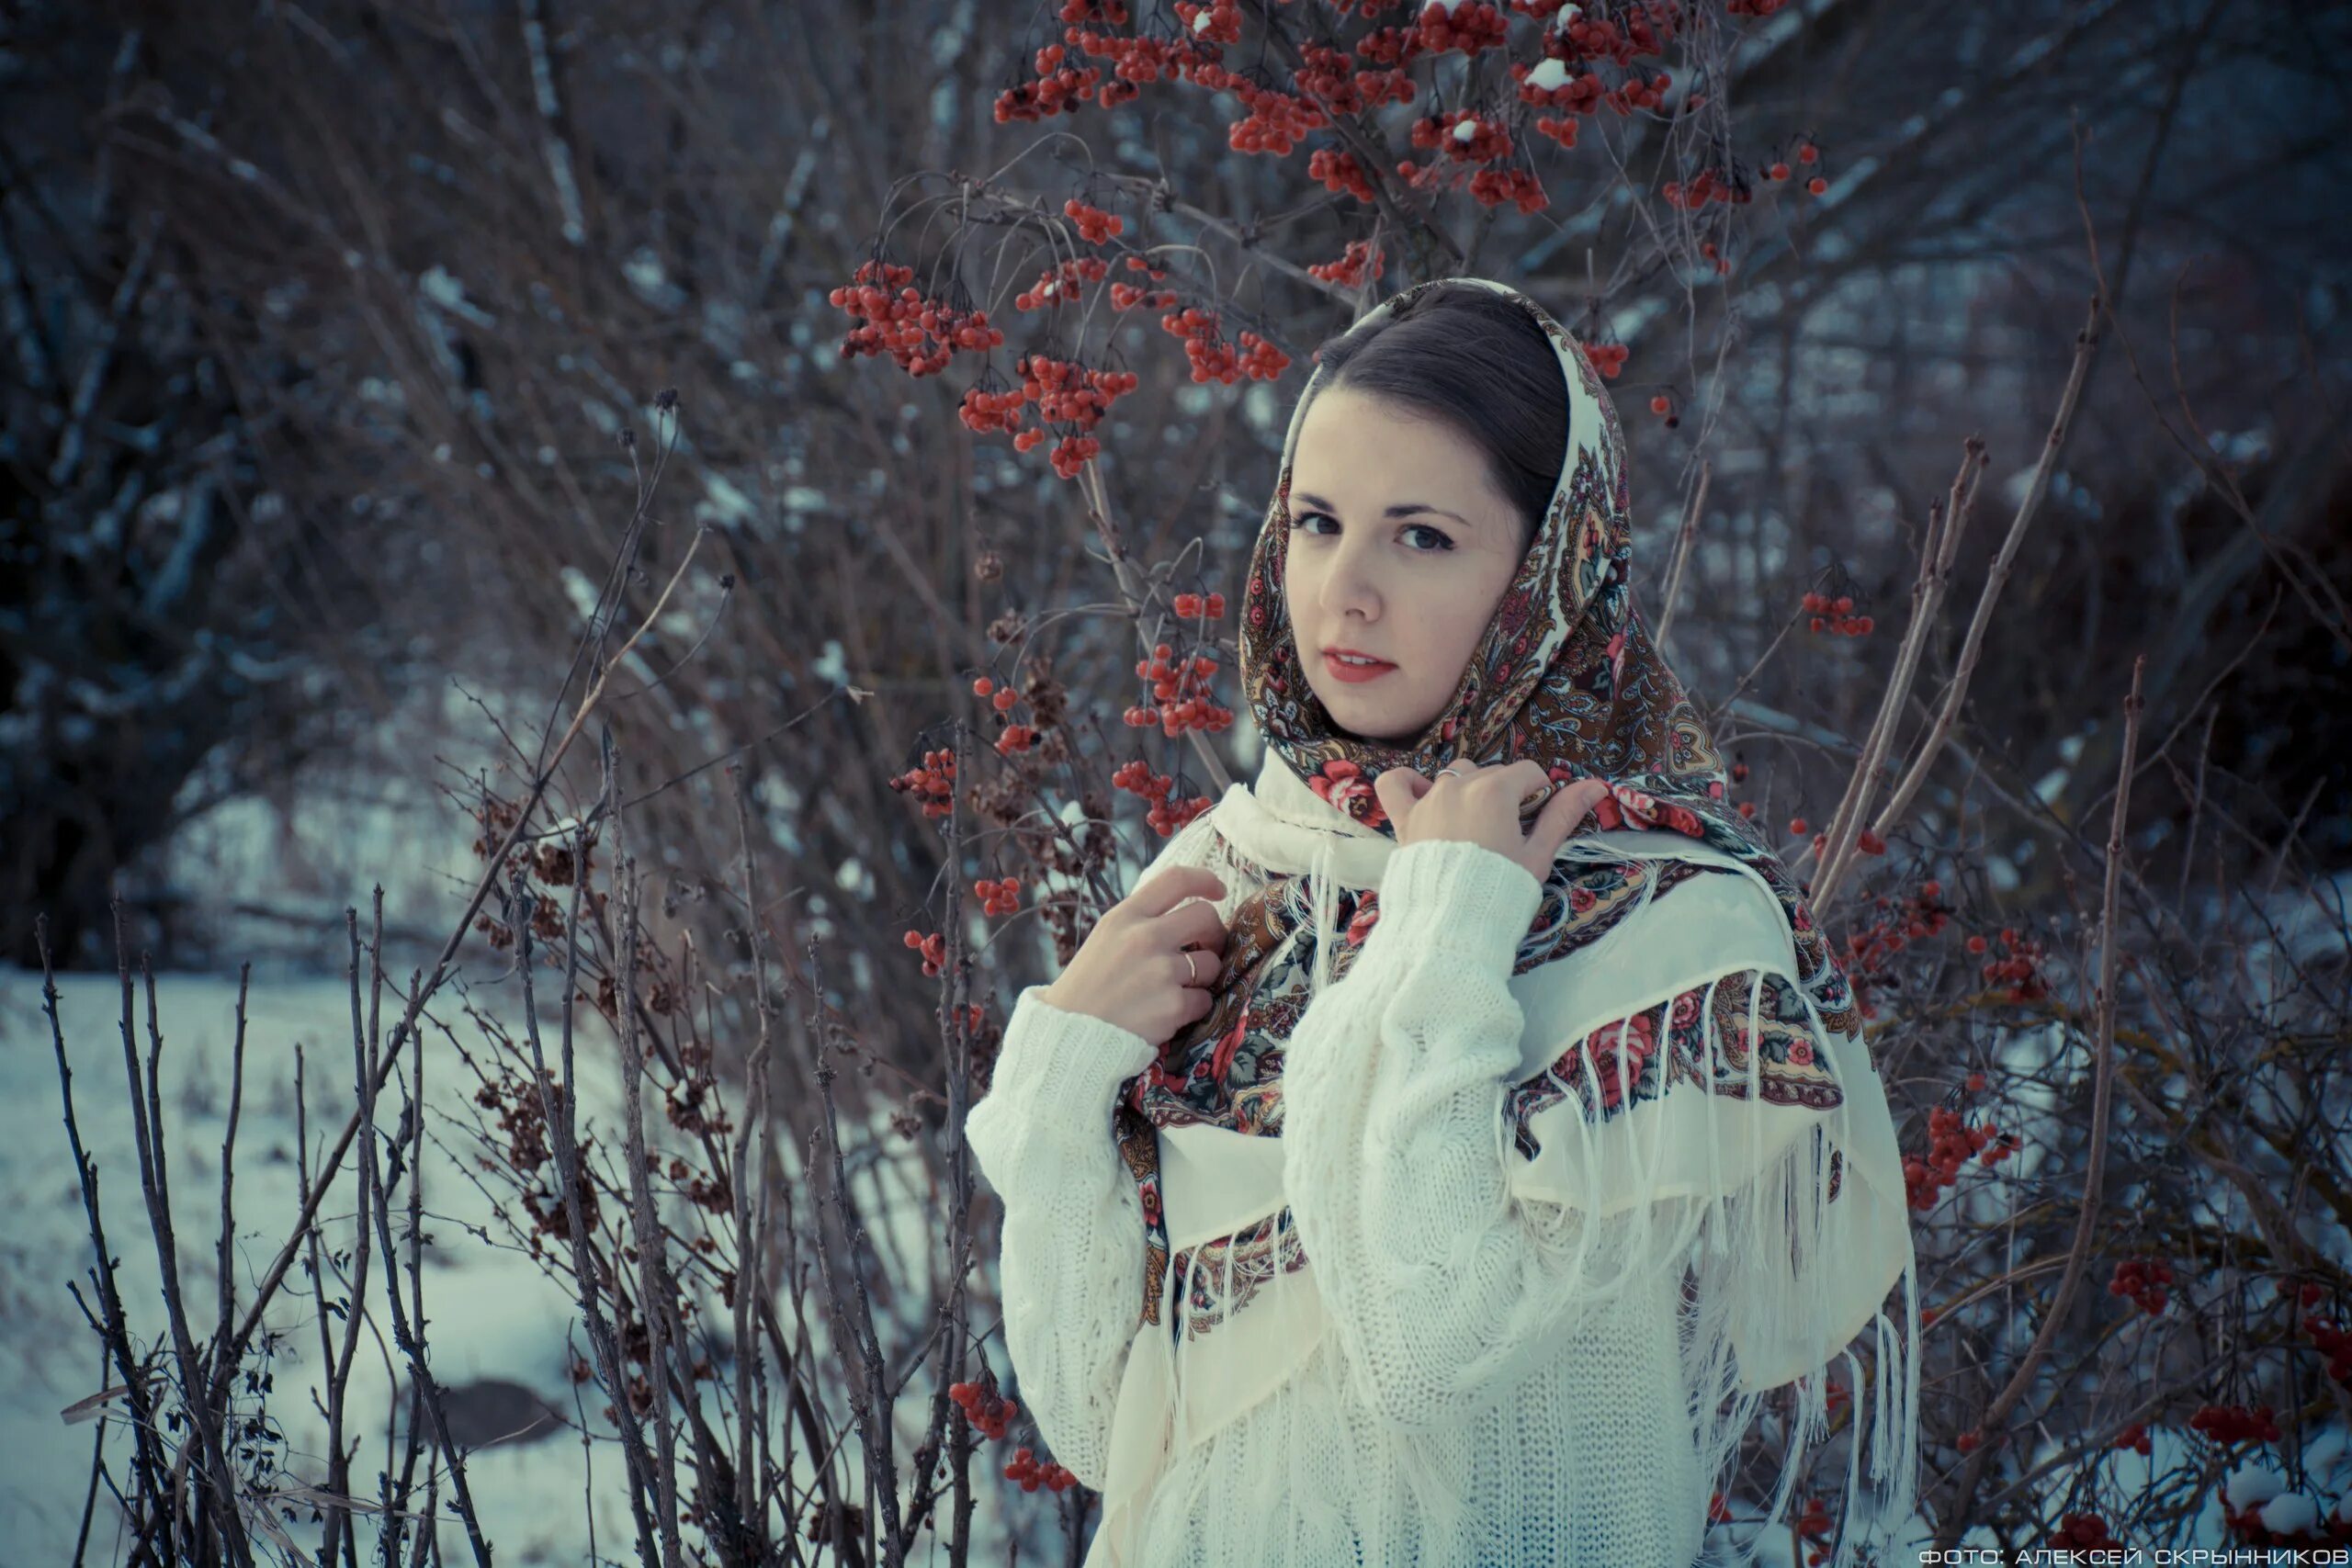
[1342,671]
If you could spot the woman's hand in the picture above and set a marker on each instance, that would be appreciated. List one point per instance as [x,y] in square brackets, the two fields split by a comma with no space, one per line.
[1132,969]
[1480,805]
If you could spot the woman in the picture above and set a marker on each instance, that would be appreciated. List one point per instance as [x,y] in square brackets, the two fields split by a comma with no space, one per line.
[1394,1175]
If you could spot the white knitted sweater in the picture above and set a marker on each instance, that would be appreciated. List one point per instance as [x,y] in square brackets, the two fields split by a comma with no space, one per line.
[1478,1360]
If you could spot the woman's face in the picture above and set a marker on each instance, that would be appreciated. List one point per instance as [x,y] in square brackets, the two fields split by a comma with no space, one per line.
[1400,547]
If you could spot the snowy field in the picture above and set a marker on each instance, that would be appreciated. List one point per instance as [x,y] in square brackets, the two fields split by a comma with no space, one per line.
[492,1313]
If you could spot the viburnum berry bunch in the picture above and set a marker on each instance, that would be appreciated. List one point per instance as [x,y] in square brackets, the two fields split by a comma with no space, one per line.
[2227,1424]
[1912,916]
[919,334]
[983,1406]
[933,949]
[1095,226]
[1812,1523]
[999,896]
[2085,1532]
[1024,1469]
[2141,1282]
[932,783]
[1166,817]
[2019,968]
[1179,692]
[1952,1142]
[2333,1342]
[1213,358]
[1607,357]
[1348,271]
[1063,284]
[1836,616]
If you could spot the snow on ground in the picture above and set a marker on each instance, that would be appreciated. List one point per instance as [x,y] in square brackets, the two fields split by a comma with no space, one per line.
[492,1314]
[492,1310]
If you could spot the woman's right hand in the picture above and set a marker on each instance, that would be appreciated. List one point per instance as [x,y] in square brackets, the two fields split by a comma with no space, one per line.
[1132,970]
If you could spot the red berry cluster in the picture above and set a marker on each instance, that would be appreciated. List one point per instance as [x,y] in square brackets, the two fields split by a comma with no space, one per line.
[1347,272]
[1559,128]
[983,410]
[1708,187]
[921,335]
[1135,62]
[1579,95]
[1095,226]
[1069,393]
[1016,737]
[1950,1143]
[2227,1424]
[933,783]
[1340,174]
[1812,1523]
[1165,816]
[984,1407]
[1492,187]
[2085,1532]
[2143,1284]
[1000,698]
[1463,136]
[1194,607]
[1001,897]
[1025,1469]
[2020,969]
[1219,22]
[1063,284]
[1836,616]
[1215,360]
[2335,1344]
[1631,34]
[1636,94]
[1718,1510]
[1060,87]
[1759,9]
[1607,357]
[1913,916]
[2134,1436]
[1277,121]
[1180,691]
[933,949]
[1470,28]
[1135,297]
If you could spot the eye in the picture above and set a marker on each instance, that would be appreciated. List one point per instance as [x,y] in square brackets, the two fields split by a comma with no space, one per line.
[1444,541]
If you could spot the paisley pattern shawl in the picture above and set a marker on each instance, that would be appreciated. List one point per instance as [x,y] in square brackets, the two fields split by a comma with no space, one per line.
[1567,674]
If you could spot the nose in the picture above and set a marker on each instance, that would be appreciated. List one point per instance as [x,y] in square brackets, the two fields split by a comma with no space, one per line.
[1349,583]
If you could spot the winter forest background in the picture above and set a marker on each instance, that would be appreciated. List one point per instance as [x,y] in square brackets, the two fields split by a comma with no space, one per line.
[551,692]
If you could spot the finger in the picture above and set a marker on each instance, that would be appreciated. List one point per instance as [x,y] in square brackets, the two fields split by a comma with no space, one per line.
[1171,887]
[1563,812]
[1195,969]
[1194,925]
[1397,788]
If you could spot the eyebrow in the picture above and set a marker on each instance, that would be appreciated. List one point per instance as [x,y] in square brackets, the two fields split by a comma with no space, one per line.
[1402,509]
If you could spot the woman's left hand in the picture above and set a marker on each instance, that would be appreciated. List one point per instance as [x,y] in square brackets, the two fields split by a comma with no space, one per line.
[1480,805]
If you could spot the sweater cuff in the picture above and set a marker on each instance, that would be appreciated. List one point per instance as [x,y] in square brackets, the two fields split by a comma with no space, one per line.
[1063,1056]
[1460,898]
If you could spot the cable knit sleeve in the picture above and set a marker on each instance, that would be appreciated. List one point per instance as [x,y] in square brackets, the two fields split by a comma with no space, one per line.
[1073,1234]
[1442,1288]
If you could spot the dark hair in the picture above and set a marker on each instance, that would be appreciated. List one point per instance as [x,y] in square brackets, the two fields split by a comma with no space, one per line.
[1474,359]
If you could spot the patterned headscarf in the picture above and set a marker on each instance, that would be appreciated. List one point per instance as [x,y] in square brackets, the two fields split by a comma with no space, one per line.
[1566,674]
